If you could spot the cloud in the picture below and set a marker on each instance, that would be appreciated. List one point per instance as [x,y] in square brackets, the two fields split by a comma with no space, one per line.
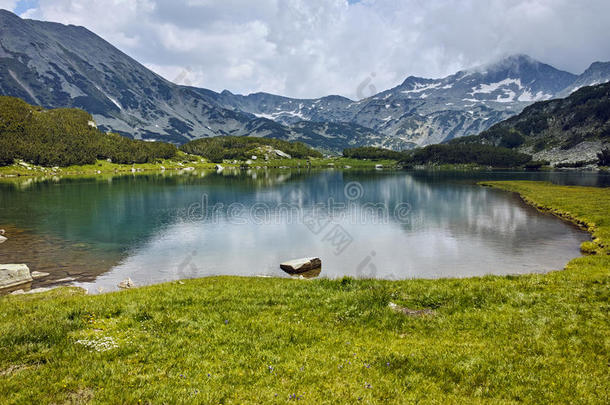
[8,4]
[311,48]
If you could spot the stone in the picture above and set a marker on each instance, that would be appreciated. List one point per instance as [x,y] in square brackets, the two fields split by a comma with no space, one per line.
[219,168]
[298,266]
[282,154]
[13,275]
[38,274]
[65,280]
[254,157]
[2,237]
[378,166]
[410,312]
[127,283]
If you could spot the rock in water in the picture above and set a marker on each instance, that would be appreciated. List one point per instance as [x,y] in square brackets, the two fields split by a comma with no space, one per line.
[299,266]
[127,283]
[2,237]
[12,275]
[39,274]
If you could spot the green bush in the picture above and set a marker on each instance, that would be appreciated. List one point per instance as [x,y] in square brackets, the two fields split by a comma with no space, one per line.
[604,157]
[536,164]
[485,155]
[370,152]
[511,139]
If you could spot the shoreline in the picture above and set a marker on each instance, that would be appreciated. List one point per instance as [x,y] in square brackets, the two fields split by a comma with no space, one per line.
[102,167]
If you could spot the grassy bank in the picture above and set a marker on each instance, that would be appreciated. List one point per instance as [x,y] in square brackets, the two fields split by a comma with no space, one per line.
[188,161]
[534,338]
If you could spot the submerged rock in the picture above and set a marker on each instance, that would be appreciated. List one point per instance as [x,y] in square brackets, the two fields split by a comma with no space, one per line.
[127,283]
[298,266]
[39,274]
[13,275]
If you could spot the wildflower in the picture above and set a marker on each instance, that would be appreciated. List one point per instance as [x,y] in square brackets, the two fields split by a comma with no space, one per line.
[226,321]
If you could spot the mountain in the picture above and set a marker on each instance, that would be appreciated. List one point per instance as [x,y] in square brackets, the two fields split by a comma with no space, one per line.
[426,111]
[597,73]
[570,130]
[55,65]
[58,66]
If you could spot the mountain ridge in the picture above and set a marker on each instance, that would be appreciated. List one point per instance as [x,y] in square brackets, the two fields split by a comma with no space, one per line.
[51,65]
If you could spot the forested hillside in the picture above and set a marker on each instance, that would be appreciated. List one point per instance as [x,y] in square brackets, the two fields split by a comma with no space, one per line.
[63,137]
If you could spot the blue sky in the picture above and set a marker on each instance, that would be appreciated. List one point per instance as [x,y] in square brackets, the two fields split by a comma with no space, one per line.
[24,5]
[311,48]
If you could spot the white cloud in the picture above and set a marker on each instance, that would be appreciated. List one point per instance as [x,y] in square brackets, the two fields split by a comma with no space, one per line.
[311,48]
[8,4]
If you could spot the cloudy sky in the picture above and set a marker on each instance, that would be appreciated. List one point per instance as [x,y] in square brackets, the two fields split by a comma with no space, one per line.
[311,48]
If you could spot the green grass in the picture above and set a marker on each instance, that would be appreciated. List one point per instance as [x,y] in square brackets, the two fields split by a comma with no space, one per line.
[184,161]
[532,338]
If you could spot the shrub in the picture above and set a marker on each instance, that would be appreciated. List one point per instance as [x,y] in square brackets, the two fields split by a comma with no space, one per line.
[604,157]
[486,155]
[219,148]
[373,153]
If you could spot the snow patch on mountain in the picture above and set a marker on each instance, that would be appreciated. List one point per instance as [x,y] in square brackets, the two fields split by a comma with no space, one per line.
[527,96]
[490,88]
[419,88]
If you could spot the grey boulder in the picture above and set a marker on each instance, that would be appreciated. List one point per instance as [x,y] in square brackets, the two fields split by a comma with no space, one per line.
[298,266]
[13,275]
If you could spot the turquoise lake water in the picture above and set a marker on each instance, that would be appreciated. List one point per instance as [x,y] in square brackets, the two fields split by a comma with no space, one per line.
[152,228]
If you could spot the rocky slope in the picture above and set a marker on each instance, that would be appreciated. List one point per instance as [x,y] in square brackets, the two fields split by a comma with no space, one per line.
[563,131]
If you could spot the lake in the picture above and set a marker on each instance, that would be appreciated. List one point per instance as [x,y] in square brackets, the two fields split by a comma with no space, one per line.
[95,232]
